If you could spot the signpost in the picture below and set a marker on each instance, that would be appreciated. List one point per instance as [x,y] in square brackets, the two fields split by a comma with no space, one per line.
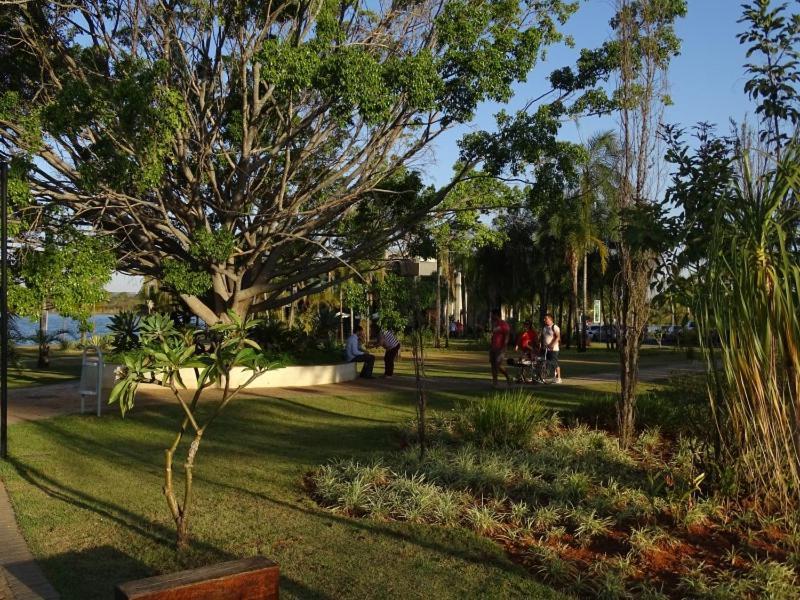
[4,309]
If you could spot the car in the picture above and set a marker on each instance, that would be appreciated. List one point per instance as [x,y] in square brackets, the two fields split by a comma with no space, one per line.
[671,334]
[595,333]
[653,334]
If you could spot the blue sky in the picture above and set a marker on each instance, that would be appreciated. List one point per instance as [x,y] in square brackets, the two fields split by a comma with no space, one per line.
[707,81]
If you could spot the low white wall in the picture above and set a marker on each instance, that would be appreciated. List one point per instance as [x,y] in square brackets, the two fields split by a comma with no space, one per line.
[296,376]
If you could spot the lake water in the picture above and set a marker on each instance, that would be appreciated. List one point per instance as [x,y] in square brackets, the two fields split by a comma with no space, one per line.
[28,327]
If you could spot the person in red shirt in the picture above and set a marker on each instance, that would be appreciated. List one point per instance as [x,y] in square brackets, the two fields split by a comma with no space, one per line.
[528,340]
[497,347]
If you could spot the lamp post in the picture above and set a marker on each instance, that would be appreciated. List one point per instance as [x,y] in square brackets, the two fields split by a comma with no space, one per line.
[4,309]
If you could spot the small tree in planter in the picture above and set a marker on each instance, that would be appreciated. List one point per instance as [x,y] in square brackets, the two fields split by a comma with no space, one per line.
[163,354]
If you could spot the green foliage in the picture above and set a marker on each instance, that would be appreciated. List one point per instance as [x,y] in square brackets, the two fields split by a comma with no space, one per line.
[165,351]
[751,296]
[774,36]
[296,345]
[681,408]
[287,133]
[183,278]
[502,419]
[214,246]
[571,498]
[395,302]
[67,274]
[124,327]
[136,106]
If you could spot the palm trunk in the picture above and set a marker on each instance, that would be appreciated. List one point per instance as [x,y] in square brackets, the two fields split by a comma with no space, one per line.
[447,316]
[584,341]
[436,339]
[573,299]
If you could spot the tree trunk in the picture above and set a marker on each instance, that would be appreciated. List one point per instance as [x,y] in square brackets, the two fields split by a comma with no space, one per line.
[573,299]
[632,314]
[43,361]
[418,354]
[438,329]
[341,318]
[447,316]
[542,305]
[584,341]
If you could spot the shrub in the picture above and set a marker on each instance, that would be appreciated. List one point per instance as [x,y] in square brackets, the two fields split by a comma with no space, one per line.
[502,419]
[124,328]
[681,408]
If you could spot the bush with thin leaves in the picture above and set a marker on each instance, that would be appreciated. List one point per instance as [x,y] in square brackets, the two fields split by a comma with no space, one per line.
[752,297]
[510,418]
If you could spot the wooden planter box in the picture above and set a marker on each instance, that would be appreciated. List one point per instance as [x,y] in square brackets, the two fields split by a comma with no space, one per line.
[246,579]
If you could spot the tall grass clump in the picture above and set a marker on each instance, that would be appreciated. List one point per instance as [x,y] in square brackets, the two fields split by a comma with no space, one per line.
[752,298]
[508,418]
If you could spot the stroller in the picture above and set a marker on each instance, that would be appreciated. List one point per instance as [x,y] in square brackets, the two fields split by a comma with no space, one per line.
[533,370]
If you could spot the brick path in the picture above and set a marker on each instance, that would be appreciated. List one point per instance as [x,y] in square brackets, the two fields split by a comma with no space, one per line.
[20,576]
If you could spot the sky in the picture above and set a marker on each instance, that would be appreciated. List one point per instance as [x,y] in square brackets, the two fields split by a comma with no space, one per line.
[706,82]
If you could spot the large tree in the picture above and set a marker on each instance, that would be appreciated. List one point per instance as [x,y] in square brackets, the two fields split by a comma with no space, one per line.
[234,150]
[646,41]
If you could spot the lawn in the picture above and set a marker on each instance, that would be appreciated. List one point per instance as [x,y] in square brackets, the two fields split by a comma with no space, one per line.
[87,495]
[64,366]
[458,362]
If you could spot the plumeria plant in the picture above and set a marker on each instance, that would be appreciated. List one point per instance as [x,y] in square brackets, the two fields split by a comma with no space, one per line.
[165,358]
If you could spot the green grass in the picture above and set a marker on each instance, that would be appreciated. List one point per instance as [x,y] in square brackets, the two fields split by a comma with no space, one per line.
[455,362]
[64,366]
[87,495]
[87,491]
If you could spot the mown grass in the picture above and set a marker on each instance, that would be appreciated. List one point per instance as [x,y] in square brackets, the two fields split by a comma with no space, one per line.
[64,366]
[87,495]
[456,362]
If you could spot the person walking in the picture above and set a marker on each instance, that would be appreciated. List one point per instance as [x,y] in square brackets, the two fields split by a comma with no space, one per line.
[497,348]
[389,342]
[551,337]
[355,353]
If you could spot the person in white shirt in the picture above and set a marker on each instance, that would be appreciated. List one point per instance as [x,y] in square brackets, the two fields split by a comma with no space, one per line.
[354,352]
[551,336]
[388,341]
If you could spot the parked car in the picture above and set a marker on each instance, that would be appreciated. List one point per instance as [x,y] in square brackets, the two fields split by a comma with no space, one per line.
[602,333]
[652,334]
[671,334]
[595,333]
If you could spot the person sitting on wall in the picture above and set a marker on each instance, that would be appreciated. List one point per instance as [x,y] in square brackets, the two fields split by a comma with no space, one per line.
[354,352]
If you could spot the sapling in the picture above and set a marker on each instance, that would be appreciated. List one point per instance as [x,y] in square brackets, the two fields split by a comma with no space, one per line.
[163,359]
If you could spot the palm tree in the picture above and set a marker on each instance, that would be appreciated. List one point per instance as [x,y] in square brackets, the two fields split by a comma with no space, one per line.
[598,185]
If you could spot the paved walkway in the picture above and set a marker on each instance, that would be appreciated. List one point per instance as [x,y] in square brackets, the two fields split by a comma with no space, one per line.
[20,576]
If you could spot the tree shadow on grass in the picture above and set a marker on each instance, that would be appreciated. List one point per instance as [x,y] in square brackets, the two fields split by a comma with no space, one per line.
[287,437]
[469,554]
[83,574]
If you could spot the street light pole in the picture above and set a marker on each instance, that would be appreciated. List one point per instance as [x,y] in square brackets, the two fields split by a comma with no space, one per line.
[4,309]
